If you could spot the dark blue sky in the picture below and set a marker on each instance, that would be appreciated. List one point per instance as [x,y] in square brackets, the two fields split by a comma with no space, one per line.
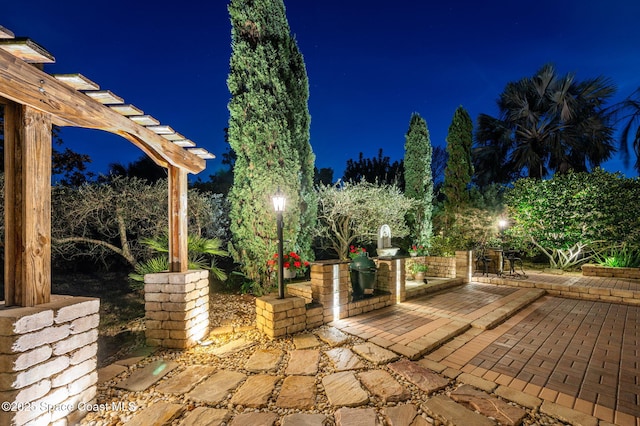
[370,63]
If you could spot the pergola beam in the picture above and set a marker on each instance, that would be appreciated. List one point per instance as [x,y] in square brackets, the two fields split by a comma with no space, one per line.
[27,85]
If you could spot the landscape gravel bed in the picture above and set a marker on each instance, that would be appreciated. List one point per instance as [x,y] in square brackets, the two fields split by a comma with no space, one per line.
[233,317]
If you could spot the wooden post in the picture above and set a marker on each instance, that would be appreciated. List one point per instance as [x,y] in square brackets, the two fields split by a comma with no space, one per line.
[178,229]
[27,159]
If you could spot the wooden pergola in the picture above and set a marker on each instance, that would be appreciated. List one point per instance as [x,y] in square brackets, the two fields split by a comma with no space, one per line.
[34,101]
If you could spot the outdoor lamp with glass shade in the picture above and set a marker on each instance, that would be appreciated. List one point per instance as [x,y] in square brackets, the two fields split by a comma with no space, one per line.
[279,201]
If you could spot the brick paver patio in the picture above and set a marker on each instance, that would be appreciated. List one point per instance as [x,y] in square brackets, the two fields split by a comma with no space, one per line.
[581,354]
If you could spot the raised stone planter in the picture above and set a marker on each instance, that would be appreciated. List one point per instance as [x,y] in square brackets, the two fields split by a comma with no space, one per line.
[48,364]
[607,271]
[280,317]
[327,297]
[176,308]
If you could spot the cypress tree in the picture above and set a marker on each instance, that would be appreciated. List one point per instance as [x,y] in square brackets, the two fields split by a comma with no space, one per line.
[266,129]
[300,120]
[459,170]
[418,178]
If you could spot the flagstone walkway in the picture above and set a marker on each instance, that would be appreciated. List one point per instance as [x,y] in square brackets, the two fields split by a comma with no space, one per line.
[470,355]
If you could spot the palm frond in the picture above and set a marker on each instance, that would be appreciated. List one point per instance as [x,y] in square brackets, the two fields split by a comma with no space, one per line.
[151,266]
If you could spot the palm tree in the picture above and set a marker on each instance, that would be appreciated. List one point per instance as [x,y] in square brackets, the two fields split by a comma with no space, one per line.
[628,111]
[547,123]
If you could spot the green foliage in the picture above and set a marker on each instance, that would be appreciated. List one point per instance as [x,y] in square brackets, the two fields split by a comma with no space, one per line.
[459,170]
[619,256]
[208,215]
[419,179]
[269,135]
[468,228]
[547,123]
[323,176]
[374,170]
[566,215]
[143,168]
[353,213]
[418,267]
[202,252]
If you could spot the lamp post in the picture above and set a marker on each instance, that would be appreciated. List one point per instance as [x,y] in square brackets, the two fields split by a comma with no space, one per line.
[278,205]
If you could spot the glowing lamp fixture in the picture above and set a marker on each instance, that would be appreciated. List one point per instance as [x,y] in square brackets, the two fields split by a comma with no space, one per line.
[279,201]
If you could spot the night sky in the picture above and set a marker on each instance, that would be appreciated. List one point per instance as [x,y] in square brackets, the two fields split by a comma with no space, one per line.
[370,63]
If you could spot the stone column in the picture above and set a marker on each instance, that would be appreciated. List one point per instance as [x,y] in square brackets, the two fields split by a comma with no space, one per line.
[176,308]
[464,265]
[392,278]
[330,287]
[48,360]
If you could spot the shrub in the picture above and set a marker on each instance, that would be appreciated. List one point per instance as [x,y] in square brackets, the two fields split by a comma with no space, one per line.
[619,256]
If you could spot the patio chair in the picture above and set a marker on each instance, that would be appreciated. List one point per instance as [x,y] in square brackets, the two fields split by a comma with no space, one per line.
[482,259]
[515,262]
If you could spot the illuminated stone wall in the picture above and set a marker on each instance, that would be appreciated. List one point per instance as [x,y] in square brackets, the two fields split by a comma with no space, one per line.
[48,360]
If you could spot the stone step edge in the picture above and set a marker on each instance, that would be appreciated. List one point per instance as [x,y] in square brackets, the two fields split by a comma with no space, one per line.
[624,297]
[431,341]
[500,315]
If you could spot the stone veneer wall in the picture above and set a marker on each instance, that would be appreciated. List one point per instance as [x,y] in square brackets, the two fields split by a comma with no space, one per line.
[607,271]
[48,361]
[439,266]
[176,308]
[443,267]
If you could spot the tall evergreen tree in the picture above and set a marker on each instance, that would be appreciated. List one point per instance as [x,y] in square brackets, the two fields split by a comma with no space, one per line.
[459,170]
[418,178]
[268,87]
[300,119]
[378,169]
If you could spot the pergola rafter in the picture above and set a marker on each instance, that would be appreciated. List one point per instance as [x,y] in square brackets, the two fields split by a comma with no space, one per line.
[34,101]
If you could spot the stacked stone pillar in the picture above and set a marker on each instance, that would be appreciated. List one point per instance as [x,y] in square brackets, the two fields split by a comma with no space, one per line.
[48,361]
[330,287]
[176,308]
[464,265]
[391,278]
